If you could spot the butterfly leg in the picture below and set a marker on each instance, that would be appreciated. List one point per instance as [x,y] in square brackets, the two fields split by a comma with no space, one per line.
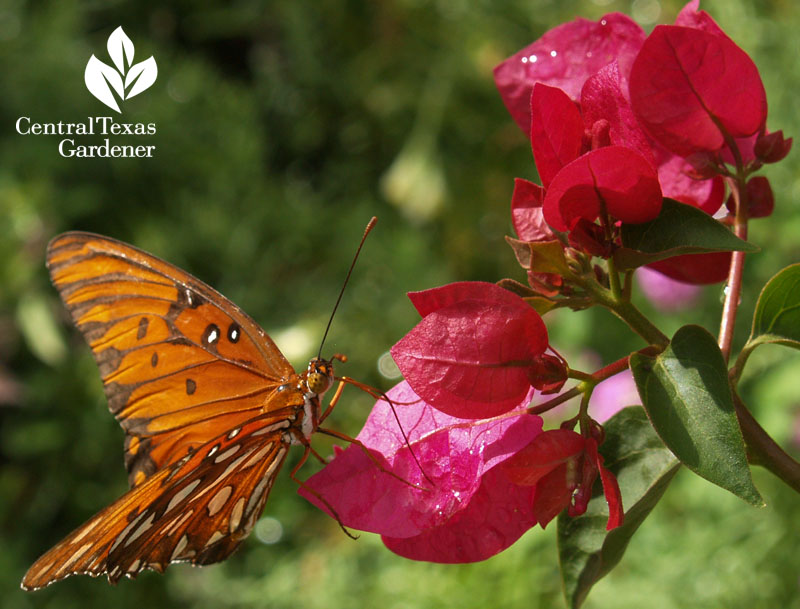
[336,395]
[378,395]
[371,456]
[303,485]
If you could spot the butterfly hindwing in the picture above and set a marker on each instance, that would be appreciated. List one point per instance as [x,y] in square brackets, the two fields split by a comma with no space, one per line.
[198,509]
[180,363]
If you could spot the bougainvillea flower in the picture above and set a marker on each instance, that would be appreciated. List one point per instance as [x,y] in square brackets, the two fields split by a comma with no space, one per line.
[471,355]
[591,63]
[565,57]
[613,178]
[563,466]
[691,89]
[466,509]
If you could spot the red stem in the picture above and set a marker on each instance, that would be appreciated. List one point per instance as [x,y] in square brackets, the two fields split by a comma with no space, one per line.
[733,290]
[601,375]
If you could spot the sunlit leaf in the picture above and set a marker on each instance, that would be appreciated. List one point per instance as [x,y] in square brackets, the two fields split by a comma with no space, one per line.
[678,229]
[686,393]
[777,316]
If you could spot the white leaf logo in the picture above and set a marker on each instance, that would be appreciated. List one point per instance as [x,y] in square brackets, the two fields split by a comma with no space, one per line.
[127,80]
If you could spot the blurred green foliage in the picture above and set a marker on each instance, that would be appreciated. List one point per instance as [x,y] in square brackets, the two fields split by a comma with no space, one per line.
[282,128]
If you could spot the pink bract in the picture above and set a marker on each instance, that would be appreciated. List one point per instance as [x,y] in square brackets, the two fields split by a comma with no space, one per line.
[565,57]
[458,456]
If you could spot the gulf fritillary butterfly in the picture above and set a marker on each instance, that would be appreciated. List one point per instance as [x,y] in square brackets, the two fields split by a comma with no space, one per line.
[208,403]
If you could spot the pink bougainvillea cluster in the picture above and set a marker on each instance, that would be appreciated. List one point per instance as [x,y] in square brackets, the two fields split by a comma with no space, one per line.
[618,121]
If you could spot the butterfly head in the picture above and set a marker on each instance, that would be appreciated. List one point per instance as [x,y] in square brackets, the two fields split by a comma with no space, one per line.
[319,377]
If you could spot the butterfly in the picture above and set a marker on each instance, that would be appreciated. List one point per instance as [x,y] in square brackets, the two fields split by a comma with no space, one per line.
[208,403]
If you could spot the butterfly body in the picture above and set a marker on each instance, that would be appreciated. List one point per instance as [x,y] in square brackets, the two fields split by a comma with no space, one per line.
[209,406]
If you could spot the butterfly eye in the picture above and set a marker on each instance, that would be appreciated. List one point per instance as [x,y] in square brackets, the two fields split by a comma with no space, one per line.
[318,382]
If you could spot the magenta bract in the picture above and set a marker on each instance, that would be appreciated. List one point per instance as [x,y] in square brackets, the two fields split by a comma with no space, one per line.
[565,57]
[460,457]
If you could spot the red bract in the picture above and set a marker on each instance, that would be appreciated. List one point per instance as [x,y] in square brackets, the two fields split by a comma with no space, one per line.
[563,465]
[565,57]
[592,64]
[556,131]
[526,212]
[690,88]
[603,99]
[613,178]
[698,269]
[472,353]
[468,513]
[760,200]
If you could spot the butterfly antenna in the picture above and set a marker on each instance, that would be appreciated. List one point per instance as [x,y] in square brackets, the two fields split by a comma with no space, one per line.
[369,227]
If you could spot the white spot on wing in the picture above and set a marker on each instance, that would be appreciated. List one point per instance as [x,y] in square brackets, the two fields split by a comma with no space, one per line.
[236,515]
[228,453]
[215,538]
[182,543]
[219,500]
[182,494]
[258,456]
[142,528]
[126,530]
[270,428]
[175,524]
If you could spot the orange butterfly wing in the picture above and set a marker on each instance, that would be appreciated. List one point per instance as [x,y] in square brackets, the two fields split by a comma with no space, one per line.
[208,403]
[180,362]
[198,509]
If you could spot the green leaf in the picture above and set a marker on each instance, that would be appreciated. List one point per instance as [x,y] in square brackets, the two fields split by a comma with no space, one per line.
[678,229]
[777,316]
[687,395]
[644,468]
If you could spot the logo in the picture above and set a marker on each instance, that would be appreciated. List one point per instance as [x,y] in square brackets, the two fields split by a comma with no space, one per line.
[126,79]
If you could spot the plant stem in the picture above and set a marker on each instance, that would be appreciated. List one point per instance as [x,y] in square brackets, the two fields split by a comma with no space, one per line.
[627,312]
[733,289]
[763,450]
[623,308]
[601,375]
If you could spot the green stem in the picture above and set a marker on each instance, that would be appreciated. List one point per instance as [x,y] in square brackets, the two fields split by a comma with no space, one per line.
[613,280]
[623,308]
[738,366]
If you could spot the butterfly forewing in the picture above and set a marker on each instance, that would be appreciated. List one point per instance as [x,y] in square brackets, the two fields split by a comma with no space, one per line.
[179,361]
[198,509]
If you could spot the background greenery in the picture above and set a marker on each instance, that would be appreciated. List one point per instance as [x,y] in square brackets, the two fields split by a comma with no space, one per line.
[282,127]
